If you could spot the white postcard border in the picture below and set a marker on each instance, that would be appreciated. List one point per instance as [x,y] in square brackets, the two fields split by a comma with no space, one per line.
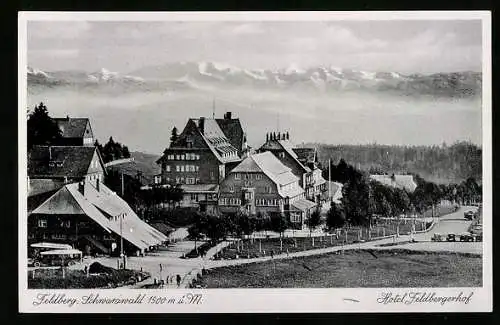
[259,300]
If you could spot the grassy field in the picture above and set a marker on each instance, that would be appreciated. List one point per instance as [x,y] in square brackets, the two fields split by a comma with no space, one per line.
[355,268]
[262,247]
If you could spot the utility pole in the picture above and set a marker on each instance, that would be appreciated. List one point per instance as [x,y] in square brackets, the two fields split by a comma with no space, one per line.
[329,180]
[121,240]
[123,187]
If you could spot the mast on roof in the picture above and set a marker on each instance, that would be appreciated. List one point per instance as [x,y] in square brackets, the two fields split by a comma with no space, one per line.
[213,107]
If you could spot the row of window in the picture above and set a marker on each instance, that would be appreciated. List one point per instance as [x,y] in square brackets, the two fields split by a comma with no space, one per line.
[184,168]
[195,197]
[267,202]
[187,156]
[42,223]
[266,189]
[239,176]
[229,201]
[182,180]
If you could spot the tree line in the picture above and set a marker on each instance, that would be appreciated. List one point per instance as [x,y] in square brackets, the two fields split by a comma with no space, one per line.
[363,198]
[441,164]
[112,150]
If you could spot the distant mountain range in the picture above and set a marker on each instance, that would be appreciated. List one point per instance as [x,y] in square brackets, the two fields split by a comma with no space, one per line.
[205,75]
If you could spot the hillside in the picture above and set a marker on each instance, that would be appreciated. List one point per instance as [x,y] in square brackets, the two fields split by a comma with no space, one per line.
[441,164]
[144,163]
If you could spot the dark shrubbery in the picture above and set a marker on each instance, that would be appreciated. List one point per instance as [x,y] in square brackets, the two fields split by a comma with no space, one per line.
[100,277]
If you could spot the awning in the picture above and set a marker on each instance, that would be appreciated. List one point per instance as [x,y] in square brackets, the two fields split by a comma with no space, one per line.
[303,205]
[51,245]
[200,188]
[63,252]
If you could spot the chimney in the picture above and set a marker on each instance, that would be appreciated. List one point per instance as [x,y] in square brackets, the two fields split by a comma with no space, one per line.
[227,115]
[81,187]
[67,117]
[201,125]
[279,136]
[287,135]
[97,187]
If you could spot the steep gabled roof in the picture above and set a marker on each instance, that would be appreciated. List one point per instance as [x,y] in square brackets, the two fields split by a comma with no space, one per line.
[233,130]
[60,161]
[216,140]
[72,127]
[305,155]
[273,168]
[105,208]
[288,147]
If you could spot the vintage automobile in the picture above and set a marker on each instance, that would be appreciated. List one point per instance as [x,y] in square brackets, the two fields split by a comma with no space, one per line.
[451,237]
[58,257]
[466,236]
[469,215]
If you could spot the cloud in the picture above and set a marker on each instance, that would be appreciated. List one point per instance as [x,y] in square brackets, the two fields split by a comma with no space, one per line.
[57,29]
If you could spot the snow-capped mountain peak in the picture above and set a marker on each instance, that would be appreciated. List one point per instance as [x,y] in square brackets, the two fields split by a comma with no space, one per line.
[37,72]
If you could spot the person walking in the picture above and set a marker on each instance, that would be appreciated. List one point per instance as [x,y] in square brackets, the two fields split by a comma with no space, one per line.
[178,280]
[272,253]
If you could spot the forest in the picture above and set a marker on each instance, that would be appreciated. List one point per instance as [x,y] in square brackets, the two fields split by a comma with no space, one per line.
[442,164]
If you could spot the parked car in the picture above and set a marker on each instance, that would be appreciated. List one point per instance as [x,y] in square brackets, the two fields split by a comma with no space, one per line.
[466,236]
[469,215]
[450,237]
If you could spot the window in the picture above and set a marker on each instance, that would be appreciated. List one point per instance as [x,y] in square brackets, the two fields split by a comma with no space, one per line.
[167,167]
[197,168]
[58,236]
[237,176]
[258,176]
[190,181]
[231,189]
[248,195]
[268,189]
[194,197]
[197,180]
[189,144]
[177,168]
[197,157]
[282,155]
[177,180]
[182,180]
[42,223]
[182,168]
[212,175]
[183,157]
[248,183]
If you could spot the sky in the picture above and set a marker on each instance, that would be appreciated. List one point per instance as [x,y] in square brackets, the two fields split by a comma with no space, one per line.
[402,46]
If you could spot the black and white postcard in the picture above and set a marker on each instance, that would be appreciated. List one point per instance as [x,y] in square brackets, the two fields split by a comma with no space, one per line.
[180,162]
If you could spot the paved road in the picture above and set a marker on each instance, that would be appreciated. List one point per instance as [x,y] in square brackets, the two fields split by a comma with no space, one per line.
[450,223]
[173,264]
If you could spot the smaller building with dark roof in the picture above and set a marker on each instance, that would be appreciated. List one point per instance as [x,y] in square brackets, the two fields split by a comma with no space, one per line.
[50,167]
[75,132]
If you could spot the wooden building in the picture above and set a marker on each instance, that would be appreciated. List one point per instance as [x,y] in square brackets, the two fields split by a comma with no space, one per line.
[262,184]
